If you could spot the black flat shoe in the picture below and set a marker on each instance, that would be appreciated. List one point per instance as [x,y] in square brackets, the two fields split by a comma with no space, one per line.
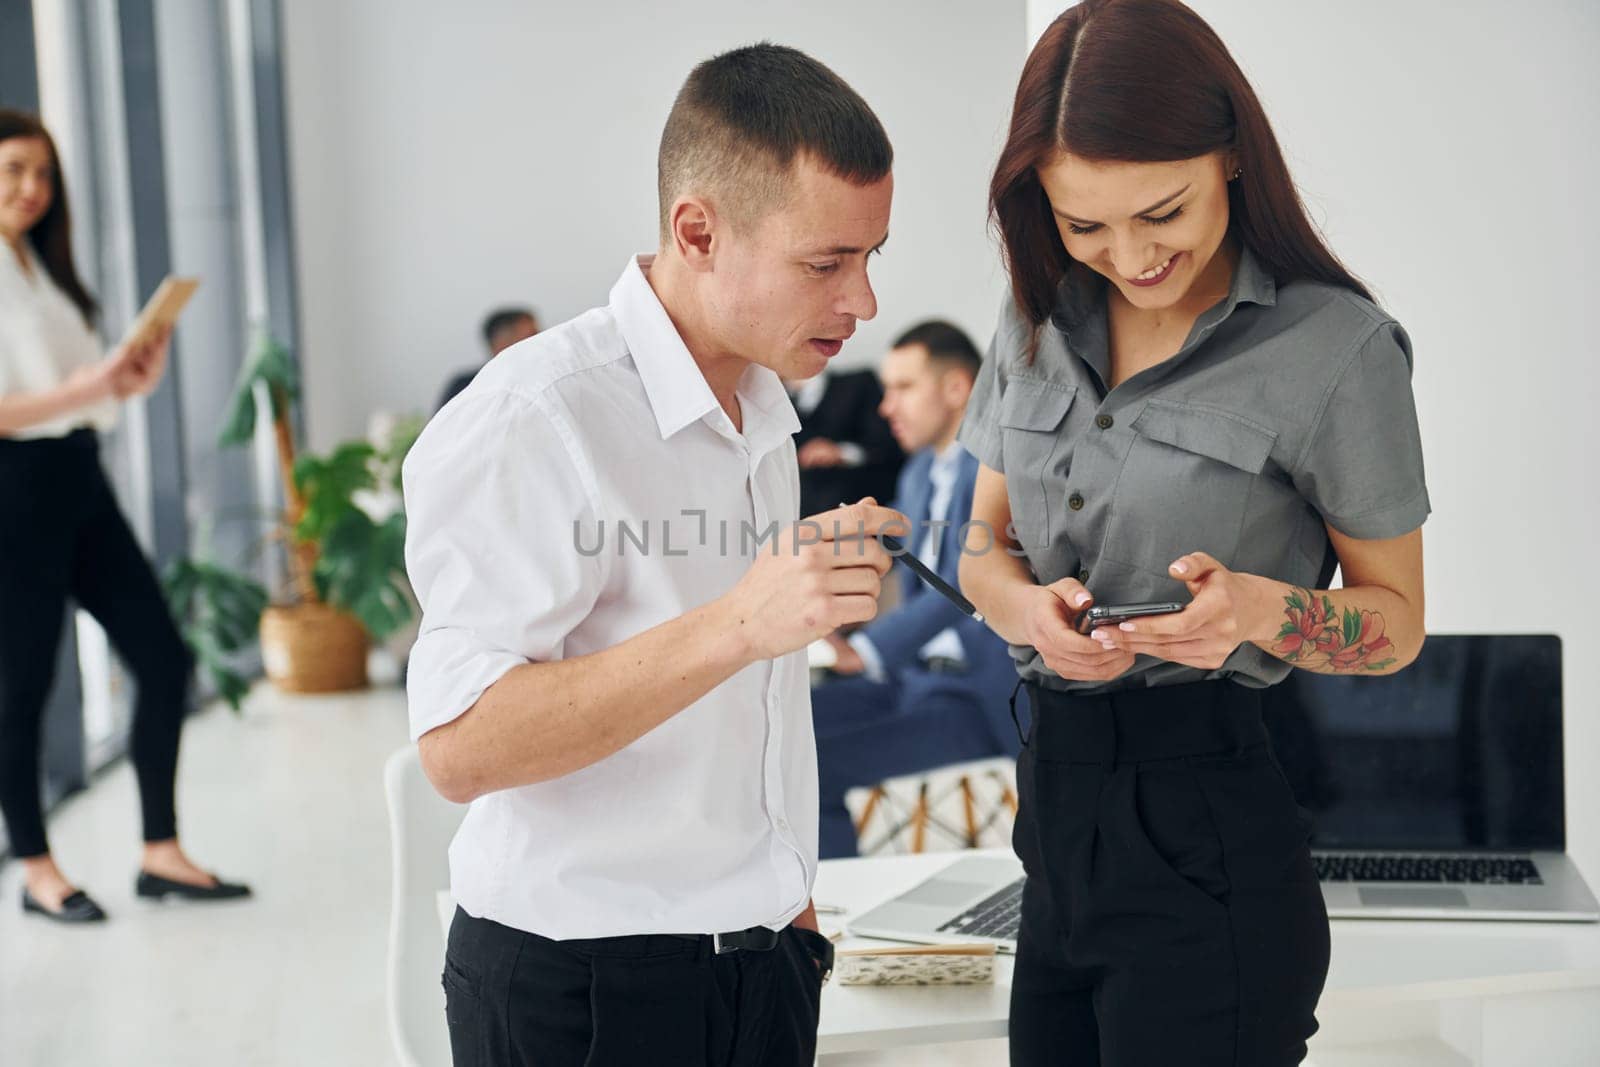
[76,908]
[154,887]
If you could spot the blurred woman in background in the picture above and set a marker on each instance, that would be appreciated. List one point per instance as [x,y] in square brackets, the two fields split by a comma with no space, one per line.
[62,535]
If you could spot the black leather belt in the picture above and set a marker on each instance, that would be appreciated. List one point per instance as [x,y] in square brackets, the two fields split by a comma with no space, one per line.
[945,665]
[755,939]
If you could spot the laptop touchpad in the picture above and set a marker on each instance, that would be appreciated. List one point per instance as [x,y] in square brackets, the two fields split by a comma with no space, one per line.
[1414,898]
[941,893]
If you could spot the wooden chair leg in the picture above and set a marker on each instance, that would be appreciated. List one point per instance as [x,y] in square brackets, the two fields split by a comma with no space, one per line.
[866,812]
[972,815]
[919,820]
[1007,797]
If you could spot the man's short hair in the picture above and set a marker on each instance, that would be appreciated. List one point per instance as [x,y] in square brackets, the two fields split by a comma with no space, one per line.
[742,118]
[948,345]
[500,318]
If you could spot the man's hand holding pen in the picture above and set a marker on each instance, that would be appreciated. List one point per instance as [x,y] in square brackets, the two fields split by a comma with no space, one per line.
[823,573]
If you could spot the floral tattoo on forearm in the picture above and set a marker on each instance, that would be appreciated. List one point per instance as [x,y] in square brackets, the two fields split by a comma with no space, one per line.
[1316,637]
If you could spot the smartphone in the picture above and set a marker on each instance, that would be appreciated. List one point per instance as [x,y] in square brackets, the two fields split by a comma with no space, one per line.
[1112,614]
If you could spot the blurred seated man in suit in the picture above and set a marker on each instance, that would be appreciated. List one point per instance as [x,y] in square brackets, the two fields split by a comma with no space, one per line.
[844,447]
[924,685]
[502,328]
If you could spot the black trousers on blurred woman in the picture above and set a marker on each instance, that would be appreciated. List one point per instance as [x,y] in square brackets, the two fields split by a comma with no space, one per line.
[1172,913]
[62,536]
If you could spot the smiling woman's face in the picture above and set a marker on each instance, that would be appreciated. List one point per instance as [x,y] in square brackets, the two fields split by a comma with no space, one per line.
[26,184]
[1153,229]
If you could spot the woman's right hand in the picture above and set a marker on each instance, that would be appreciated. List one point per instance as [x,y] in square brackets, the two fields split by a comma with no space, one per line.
[141,364]
[104,379]
[1048,617]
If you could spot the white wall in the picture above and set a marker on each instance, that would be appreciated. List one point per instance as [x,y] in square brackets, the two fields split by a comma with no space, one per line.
[444,162]
[1448,153]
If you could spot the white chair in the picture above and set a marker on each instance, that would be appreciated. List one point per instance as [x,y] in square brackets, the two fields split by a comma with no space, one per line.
[986,790]
[421,824]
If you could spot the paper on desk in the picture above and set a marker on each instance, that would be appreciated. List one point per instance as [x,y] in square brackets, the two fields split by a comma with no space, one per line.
[820,653]
[921,965]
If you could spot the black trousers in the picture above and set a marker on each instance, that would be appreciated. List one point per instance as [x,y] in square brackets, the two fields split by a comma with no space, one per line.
[62,536]
[1172,913]
[658,999]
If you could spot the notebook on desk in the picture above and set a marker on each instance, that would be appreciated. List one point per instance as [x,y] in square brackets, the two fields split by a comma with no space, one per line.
[1436,793]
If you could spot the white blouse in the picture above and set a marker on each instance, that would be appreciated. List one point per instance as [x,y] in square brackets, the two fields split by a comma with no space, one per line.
[43,339]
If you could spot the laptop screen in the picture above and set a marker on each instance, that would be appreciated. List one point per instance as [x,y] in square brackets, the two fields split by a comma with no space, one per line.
[1462,750]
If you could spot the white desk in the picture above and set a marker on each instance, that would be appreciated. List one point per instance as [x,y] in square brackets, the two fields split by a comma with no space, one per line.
[1447,993]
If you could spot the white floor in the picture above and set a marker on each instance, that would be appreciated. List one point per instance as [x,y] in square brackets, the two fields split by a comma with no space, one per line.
[288,797]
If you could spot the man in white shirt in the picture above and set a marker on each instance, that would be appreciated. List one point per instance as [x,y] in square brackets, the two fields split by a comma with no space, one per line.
[926,686]
[616,599]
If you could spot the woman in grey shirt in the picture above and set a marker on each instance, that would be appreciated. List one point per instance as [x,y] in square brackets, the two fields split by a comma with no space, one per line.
[1188,399]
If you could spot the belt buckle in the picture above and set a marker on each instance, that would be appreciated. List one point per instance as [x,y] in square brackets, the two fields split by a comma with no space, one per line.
[718,948]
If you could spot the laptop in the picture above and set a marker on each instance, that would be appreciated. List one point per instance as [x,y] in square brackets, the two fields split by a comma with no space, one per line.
[1436,793]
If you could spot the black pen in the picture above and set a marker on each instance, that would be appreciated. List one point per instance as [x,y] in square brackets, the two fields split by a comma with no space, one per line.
[926,573]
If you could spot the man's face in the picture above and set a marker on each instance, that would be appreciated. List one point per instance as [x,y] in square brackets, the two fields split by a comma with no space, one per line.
[787,290]
[922,401]
[519,329]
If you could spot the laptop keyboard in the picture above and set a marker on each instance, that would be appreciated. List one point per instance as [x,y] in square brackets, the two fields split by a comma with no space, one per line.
[998,916]
[1463,870]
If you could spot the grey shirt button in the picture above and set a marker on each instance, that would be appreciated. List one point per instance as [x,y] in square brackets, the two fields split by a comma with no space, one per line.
[1075,501]
[1105,422]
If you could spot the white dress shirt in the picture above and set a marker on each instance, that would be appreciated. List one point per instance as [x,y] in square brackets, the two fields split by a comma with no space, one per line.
[946,644]
[514,492]
[43,339]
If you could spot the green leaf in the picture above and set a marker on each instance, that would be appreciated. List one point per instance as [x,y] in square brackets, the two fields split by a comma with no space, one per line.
[361,568]
[219,613]
[405,434]
[269,363]
[328,485]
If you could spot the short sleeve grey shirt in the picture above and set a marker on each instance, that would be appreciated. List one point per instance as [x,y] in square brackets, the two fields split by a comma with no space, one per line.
[1285,409]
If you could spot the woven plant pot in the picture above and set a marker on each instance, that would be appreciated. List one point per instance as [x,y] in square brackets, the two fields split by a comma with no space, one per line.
[312,648]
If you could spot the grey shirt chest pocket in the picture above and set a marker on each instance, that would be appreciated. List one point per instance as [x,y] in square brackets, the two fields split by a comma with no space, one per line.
[1187,485]
[1033,416]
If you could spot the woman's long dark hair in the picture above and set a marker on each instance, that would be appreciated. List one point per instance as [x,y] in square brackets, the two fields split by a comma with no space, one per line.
[1142,81]
[52,234]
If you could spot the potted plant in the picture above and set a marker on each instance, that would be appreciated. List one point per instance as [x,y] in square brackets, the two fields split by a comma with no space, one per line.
[346,565]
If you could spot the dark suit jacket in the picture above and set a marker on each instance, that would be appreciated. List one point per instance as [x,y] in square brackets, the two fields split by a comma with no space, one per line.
[848,411]
[454,386]
[924,613]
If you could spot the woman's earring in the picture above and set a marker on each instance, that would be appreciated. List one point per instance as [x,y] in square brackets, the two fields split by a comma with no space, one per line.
[1237,171]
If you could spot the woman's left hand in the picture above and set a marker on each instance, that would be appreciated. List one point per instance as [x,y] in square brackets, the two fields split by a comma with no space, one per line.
[1228,609]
